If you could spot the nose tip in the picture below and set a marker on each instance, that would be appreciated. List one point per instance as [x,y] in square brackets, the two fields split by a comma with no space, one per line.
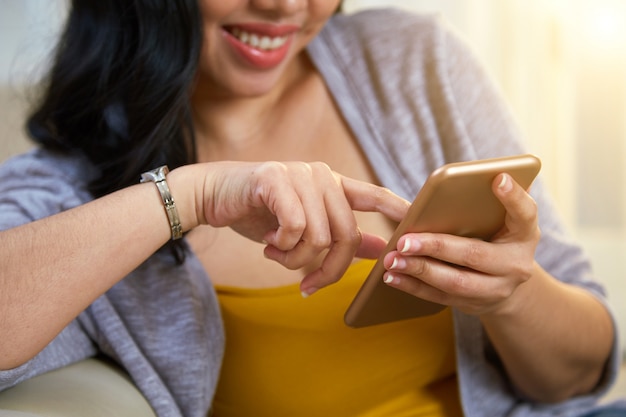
[282,6]
[294,5]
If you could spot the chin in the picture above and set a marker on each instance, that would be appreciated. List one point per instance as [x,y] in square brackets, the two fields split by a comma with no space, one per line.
[254,86]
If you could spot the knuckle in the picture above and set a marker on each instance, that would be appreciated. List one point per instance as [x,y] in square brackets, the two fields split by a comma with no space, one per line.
[461,283]
[458,283]
[323,171]
[320,241]
[473,255]
[353,240]
[530,214]
[355,237]
[503,293]
[304,167]
[526,273]
[289,261]
[294,225]
[272,168]
[437,247]
[319,166]
[422,268]
[384,193]
[522,270]
[294,230]
[381,195]
[348,242]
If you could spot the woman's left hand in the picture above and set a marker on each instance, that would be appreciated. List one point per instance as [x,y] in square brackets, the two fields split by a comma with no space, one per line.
[475,276]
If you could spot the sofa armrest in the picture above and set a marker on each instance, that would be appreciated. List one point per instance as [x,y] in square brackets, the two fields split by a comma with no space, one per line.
[90,388]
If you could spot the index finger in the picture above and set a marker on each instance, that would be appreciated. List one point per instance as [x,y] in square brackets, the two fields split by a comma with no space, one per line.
[363,196]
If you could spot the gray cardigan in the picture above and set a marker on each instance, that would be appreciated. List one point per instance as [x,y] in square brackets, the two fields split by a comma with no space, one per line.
[415,99]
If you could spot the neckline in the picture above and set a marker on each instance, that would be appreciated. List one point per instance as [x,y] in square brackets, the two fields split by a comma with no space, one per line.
[361,266]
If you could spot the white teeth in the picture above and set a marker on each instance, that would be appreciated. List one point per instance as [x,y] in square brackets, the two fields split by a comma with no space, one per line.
[264,43]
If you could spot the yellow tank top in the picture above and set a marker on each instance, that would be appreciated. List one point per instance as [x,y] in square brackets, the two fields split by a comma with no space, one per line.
[290,356]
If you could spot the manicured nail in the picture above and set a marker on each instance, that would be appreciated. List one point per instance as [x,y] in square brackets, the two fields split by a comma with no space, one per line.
[505,184]
[388,279]
[394,263]
[398,263]
[308,292]
[407,246]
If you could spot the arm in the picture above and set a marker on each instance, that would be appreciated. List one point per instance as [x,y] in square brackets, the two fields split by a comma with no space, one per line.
[554,338]
[43,280]
[299,209]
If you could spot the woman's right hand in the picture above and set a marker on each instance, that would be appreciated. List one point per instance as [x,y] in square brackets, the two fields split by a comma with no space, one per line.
[298,209]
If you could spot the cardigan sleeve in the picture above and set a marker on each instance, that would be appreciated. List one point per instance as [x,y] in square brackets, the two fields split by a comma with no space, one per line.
[34,186]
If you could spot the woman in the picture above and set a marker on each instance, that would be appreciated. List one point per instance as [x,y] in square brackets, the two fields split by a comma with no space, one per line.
[227,93]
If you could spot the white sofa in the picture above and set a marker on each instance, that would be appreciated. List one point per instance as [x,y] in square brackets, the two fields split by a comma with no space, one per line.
[91,388]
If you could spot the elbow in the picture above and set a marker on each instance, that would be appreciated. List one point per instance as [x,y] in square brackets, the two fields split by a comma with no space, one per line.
[13,356]
[17,348]
[556,393]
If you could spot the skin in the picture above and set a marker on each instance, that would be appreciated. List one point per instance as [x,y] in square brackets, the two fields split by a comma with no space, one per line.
[300,204]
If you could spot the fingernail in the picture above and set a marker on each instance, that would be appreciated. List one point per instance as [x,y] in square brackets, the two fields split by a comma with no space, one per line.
[388,279]
[505,184]
[398,263]
[407,246]
[308,292]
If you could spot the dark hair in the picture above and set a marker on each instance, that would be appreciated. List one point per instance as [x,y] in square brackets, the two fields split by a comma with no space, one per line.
[118,90]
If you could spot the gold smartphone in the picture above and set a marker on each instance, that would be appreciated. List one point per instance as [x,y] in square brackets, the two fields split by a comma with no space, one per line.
[457,199]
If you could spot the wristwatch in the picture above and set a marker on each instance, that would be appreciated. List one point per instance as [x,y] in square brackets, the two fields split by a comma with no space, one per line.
[158,177]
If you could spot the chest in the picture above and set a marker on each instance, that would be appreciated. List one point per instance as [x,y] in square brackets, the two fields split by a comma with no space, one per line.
[232,260]
[315,132]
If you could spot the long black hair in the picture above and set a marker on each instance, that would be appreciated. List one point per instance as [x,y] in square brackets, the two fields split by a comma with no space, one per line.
[118,89]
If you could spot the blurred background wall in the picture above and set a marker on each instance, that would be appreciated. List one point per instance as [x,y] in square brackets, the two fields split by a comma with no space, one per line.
[561,65]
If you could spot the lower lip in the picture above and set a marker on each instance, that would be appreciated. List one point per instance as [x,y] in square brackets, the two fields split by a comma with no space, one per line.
[256,57]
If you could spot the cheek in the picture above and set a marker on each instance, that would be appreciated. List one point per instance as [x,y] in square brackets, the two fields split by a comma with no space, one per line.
[215,9]
[214,12]
[319,11]
[324,7]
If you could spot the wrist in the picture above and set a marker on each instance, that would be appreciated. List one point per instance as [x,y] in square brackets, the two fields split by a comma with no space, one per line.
[181,184]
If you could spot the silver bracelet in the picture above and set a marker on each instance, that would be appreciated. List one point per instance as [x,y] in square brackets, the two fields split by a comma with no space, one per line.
[158,177]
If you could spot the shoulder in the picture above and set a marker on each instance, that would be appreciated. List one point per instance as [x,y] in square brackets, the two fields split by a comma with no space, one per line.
[395,41]
[389,52]
[379,24]
[40,183]
[40,161]
[384,37]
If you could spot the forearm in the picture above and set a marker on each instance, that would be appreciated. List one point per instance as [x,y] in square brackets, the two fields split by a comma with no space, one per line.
[52,269]
[547,360]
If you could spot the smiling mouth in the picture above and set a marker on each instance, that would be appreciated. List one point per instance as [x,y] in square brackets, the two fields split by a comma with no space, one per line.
[261,42]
